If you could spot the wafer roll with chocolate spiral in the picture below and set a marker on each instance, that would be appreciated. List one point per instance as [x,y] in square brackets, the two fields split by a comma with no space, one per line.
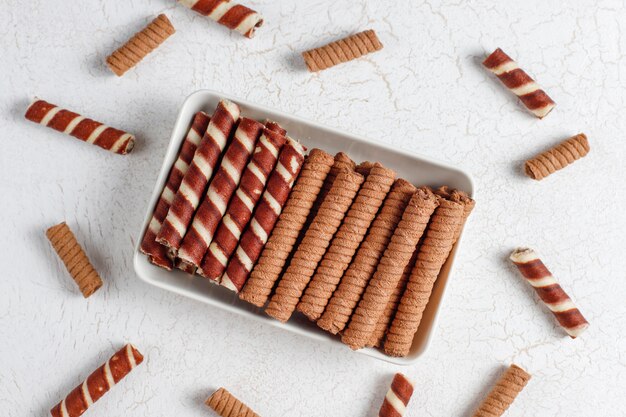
[226,405]
[346,241]
[291,222]
[341,51]
[80,127]
[232,15]
[274,126]
[74,258]
[140,45]
[157,253]
[521,84]
[550,292]
[558,157]
[98,383]
[502,395]
[389,270]
[198,175]
[353,283]
[314,244]
[398,397]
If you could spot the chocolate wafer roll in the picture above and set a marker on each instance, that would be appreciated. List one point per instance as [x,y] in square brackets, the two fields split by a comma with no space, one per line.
[521,84]
[242,205]
[398,397]
[272,125]
[341,51]
[390,268]
[500,398]
[157,253]
[226,405]
[460,197]
[558,157]
[342,162]
[314,244]
[140,45]
[219,193]
[98,383]
[352,285]
[198,175]
[550,292]
[232,15]
[291,222]
[80,127]
[74,258]
[346,241]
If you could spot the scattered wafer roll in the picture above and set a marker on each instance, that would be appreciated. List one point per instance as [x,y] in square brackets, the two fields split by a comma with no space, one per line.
[558,157]
[502,395]
[232,15]
[140,45]
[98,383]
[286,231]
[314,244]
[272,125]
[550,292]
[397,398]
[346,241]
[521,84]
[341,51]
[352,285]
[80,127]
[200,171]
[389,270]
[241,206]
[432,254]
[222,186]
[226,405]
[67,247]
[157,253]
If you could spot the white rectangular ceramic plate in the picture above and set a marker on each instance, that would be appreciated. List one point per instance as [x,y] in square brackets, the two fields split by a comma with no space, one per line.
[416,169]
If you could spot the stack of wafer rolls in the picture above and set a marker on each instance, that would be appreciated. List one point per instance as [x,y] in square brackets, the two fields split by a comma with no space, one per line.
[232,15]
[226,404]
[204,161]
[557,157]
[502,395]
[397,398]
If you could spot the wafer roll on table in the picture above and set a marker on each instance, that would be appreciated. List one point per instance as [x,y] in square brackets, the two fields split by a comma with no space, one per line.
[230,14]
[226,404]
[500,398]
[557,157]
[343,50]
[398,397]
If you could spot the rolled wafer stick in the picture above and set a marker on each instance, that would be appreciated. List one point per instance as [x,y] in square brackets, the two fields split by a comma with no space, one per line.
[502,395]
[266,214]
[200,171]
[80,127]
[398,397]
[157,253]
[521,84]
[226,405]
[353,283]
[98,383]
[314,244]
[232,15]
[550,292]
[140,45]
[272,125]
[241,206]
[286,231]
[557,157]
[341,163]
[341,51]
[390,268]
[218,195]
[74,258]
[346,241]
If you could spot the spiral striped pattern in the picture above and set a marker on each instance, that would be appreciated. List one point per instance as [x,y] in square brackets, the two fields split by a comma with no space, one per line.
[232,15]
[397,398]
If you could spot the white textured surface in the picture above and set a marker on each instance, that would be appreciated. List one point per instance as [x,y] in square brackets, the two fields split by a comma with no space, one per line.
[425,91]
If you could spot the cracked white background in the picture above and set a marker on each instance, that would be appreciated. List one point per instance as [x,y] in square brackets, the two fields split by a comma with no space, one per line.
[425,91]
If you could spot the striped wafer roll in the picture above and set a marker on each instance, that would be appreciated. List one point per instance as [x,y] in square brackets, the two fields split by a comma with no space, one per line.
[346,241]
[98,383]
[314,244]
[226,405]
[272,125]
[550,292]
[242,204]
[232,15]
[291,222]
[266,214]
[502,395]
[80,127]
[558,157]
[198,175]
[221,189]
[515,79]
[397,398]
[157,253]
[390,268]
[352,285]
[341,51]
